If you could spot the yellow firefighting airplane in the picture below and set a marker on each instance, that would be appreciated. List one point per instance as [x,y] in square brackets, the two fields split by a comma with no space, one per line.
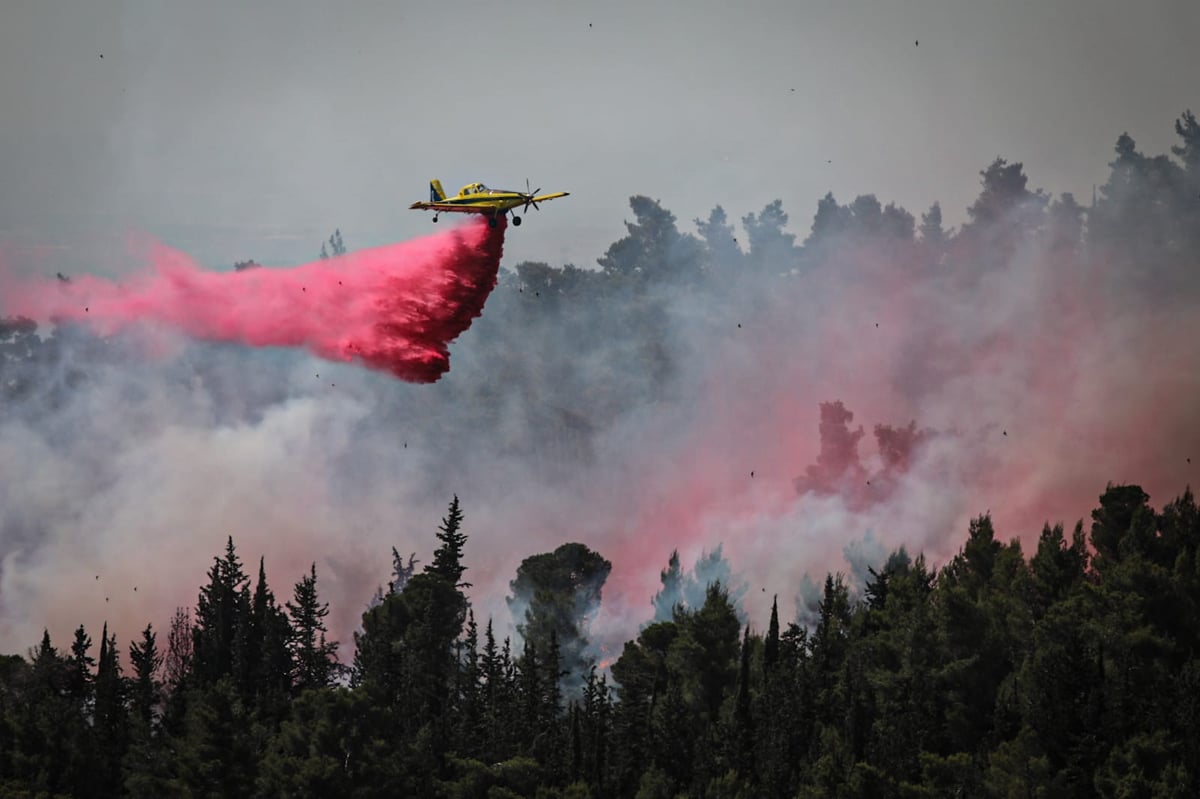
[476,198]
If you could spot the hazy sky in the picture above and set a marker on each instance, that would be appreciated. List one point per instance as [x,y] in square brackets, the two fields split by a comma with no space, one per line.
[237,130]
[233,133]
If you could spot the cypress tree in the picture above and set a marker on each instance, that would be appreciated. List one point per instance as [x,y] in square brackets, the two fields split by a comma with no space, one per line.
[742,721]
[771,647]
[109,723]
[272,671]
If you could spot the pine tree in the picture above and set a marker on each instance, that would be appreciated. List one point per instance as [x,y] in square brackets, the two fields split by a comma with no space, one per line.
[1188,129]
[179,676]
[1057,568]
[713,632]
[315,658]
[724,255]
[447,558]
[46,664]
[671,593]
[642,676]
[179,660]
[1004,215]
[336,246]
[401,572]
[772,251]
[52,751]
[221,605]
[217,755]
[713,567]
[654,250]
[146,660]
[558,592]
[829,223]
[934,238]
[79,671]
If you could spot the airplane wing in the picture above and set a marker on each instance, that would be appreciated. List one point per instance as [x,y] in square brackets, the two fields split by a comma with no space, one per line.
[450,208]
[556,194]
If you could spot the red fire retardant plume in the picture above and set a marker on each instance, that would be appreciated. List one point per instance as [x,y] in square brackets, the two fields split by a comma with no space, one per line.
[393,308]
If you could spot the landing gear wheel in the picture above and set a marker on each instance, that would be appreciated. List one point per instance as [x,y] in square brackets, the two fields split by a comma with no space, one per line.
[435,220]
[492,222]
[517,221]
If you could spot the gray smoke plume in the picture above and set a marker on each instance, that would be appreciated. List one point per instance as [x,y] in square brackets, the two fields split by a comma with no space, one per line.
[671,400]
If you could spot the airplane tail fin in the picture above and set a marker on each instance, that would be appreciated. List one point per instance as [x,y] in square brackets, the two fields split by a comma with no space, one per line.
[436,192]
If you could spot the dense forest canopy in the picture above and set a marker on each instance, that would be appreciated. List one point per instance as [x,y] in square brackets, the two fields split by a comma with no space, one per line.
[694,397]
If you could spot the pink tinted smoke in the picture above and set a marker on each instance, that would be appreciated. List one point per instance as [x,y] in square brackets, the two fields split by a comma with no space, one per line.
[394,308]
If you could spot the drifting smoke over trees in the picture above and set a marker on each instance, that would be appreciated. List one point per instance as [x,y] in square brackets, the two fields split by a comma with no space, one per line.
[996,675]
[683,591]
[1062,667]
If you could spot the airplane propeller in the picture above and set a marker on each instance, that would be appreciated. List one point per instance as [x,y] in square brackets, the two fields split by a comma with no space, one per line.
[529,195]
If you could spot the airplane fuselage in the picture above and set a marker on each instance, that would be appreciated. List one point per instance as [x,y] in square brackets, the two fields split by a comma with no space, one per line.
[476,198]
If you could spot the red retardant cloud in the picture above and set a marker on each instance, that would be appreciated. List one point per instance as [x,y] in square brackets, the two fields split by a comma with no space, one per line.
[393,308]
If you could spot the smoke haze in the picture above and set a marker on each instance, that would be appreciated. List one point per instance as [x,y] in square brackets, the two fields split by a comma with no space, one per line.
[685,396]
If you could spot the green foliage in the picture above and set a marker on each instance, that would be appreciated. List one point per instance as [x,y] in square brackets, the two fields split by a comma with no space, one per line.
[729,785]
[555,595]
[1147,764]
[1063,675]
[326,747]
[654,250]
[655,784]
[216,753]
